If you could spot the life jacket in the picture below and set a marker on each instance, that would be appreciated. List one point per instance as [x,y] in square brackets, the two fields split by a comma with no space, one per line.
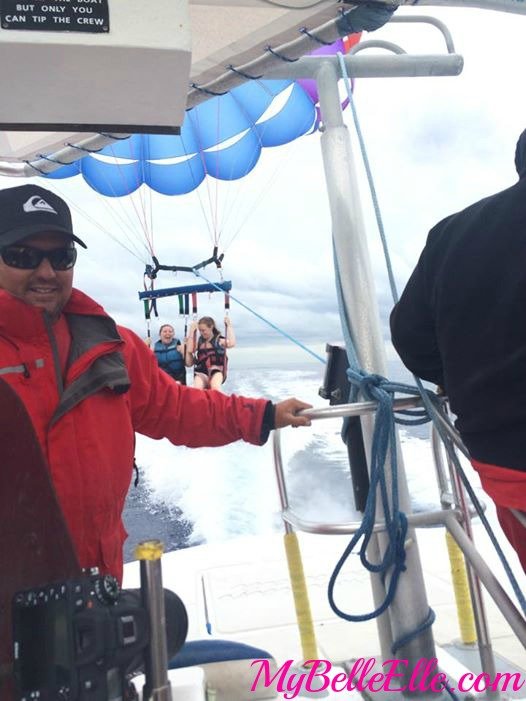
[215,356]
[168,357]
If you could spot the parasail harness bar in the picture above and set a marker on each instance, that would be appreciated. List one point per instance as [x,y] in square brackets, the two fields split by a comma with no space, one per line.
[152,270]
[150,296]
[226,286]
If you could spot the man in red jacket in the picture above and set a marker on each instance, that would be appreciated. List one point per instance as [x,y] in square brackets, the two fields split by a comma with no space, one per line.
[89,384]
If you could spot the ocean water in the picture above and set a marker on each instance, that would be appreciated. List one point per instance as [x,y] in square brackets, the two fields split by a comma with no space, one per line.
[189,496]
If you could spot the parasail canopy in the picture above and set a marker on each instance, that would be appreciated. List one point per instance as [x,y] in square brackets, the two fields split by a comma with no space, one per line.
[222,137]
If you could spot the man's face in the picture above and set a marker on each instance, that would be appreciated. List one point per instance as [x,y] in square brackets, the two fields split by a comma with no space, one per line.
[43,286]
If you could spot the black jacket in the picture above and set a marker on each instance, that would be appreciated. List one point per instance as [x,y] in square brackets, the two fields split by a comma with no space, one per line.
[461,320]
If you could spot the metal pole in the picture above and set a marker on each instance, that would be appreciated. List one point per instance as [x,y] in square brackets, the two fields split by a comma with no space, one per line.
[298,582]
[409,608]
[68,153]
[487,659]
[280,478]
[357,408]
[157,685]
[375,66]
[492,584]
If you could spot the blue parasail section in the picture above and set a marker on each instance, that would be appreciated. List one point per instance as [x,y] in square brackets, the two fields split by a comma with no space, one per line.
[222,138]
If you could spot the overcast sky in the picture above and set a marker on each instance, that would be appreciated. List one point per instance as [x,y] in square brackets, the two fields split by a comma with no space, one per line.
[435,145]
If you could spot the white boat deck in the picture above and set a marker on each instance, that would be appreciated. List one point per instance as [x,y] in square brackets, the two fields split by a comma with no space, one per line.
[248,599]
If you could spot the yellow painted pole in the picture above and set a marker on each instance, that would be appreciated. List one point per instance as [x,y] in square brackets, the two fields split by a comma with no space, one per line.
[466,620]
[298,582]
[301,597]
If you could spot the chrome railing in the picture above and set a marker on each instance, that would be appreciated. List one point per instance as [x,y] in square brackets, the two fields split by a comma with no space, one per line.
[455,516]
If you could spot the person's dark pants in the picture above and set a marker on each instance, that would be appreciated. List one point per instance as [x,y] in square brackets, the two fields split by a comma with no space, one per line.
[179,376]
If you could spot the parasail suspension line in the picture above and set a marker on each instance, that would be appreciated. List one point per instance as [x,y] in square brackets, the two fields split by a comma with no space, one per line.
[194,315]
[186,310]
[140,207]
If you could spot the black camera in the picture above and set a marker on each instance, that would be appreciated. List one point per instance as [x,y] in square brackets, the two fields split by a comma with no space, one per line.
[83,639]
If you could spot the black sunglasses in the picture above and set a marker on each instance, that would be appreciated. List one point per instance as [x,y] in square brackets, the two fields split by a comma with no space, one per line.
[29,258]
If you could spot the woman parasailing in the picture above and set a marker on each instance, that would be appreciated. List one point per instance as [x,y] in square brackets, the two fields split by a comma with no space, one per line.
[169,352]
[207,352]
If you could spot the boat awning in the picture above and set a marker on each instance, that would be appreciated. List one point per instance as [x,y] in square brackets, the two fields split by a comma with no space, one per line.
[235,33]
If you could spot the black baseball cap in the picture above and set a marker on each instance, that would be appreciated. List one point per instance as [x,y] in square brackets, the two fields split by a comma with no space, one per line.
[29,209]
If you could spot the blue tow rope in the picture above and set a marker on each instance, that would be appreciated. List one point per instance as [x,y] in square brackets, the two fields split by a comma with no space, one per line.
[376,388]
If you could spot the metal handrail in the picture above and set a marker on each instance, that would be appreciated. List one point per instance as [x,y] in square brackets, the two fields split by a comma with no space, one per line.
[427,19]
[69,153]
[424,519]
[410,19]
[448,517]
[358,408]
[459,496]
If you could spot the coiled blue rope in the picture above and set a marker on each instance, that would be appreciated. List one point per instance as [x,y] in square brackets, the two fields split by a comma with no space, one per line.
[377,388]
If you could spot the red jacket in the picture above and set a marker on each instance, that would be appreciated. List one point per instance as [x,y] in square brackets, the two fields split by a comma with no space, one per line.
[113,387]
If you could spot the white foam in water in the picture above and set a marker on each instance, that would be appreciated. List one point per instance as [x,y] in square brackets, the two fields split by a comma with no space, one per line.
[232,490]
[223,491]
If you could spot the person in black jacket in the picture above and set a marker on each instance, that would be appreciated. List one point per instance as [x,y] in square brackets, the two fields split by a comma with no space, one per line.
[460,324]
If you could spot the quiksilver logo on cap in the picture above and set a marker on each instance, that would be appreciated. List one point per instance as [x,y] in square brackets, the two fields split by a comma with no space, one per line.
[36,204]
